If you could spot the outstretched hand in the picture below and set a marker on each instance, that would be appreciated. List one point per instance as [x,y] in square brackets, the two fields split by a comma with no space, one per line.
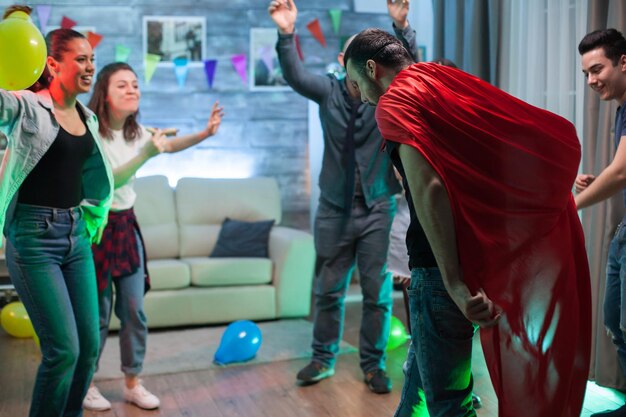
[283,13]
[398,11]
[215,119]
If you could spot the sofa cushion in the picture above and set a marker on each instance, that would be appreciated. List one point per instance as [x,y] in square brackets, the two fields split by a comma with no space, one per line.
[210,272]
[156,215]
[243,239]
[202,204]
[168,274]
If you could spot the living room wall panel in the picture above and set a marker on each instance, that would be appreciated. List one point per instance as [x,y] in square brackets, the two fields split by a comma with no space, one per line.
[263,133]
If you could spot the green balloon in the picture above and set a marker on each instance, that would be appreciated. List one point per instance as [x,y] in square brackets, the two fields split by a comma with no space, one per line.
[398,335]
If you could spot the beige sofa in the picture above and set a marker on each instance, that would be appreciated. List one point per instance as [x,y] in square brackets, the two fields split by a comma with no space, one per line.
[181,226]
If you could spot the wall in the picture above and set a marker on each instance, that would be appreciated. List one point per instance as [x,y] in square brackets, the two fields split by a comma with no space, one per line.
[263,133]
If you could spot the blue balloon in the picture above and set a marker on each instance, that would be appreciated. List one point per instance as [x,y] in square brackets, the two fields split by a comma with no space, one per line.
[240,342]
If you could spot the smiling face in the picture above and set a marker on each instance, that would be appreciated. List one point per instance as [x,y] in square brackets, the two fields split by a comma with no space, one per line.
[123,93]
[366,84]
[606,79]
[74,72]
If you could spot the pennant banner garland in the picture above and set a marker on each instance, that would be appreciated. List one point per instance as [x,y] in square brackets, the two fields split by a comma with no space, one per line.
[267,57]
[150,65]
[121,53]
[335,19]
[209,70]
[239,62]
[181,68]
[43,12]
[93,39]
[67,23]
[316,30]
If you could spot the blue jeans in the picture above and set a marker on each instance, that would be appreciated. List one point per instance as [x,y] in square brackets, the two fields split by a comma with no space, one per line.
[341,242]
[615,293]
[129,291]
[438,368]
[50,262]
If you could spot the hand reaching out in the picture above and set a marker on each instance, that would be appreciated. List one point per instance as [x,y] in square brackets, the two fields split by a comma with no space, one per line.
[398,11]
[283,13]
[215,119]
[155,146]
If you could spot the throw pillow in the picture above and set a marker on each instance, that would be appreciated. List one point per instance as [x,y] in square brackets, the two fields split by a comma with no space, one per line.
[243,239]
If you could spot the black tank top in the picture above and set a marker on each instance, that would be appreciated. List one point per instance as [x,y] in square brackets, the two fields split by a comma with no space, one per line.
[56,180]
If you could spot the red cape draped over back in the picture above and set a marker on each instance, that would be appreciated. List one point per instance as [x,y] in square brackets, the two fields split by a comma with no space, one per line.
[509,168]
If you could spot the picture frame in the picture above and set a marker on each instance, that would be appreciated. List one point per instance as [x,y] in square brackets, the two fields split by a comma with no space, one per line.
[173,37]
[264,70]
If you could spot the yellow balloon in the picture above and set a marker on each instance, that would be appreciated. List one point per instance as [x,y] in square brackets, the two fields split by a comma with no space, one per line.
[15,320]
[22,52]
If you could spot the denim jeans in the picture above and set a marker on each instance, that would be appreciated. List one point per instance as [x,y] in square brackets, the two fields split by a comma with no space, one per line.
[341,242]
[51,265]
[615,294]
[129,291]
[438,374]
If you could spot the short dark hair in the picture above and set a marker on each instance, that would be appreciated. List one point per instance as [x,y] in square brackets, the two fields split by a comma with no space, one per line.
[56,43]
[380,46]
[610,40]
[98,103]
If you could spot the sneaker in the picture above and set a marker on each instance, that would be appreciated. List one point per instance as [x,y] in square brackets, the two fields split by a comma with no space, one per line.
[378,381]
[476,401]
[95,401]
[141,397]
[314,372]
[620,412]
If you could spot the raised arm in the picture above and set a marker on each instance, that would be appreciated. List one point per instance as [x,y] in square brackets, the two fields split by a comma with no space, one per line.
[312,86]
[433,209]
[399,11]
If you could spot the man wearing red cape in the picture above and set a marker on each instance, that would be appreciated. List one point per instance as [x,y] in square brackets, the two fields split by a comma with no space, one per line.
[489,177]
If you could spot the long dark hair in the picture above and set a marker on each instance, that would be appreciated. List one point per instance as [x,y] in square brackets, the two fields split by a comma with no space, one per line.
[98,103]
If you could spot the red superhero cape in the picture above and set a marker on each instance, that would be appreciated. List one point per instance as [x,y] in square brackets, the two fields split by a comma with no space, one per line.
[508,168]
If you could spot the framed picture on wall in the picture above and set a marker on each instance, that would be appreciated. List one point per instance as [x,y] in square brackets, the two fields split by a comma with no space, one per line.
[174,37]
[265,73]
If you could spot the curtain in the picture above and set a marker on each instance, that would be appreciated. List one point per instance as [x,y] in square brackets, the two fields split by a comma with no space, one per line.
[538,58]
[466,31]
[600,221]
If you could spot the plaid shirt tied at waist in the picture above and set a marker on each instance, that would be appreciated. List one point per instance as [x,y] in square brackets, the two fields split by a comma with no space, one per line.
[117,255]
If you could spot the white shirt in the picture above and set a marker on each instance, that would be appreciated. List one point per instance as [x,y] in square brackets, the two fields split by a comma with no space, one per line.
[118,151]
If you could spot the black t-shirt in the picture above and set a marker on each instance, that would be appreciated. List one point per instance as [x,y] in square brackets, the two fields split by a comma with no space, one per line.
[420,253]
[56,180]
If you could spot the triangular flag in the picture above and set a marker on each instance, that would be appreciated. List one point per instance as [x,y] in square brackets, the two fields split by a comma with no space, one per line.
[93,39]
[209,70]
[43,12]
[335,19]
[239,62]
[67,23]
[316,30]
[267,57]
[181,68]
[150,64]
[121,53]
[298,47]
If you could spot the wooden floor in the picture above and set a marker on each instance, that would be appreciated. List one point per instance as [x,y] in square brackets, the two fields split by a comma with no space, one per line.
[265,390]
